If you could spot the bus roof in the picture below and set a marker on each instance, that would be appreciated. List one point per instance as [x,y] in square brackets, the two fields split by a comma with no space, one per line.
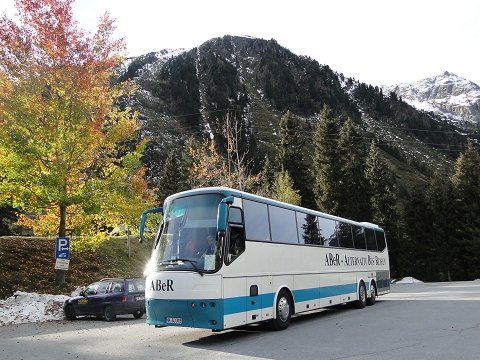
[225,191]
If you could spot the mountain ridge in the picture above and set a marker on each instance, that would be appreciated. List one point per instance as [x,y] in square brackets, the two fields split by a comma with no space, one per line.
[453,98]
[187,92]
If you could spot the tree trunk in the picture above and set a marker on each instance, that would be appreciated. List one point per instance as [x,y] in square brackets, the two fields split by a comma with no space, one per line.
[63,220]
[62,233]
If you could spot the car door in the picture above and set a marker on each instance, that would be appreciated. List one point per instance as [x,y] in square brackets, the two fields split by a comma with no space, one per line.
[96,300]
[82,304]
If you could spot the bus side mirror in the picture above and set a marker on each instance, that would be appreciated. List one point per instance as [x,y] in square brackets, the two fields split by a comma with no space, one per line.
[223,213]
[143,219]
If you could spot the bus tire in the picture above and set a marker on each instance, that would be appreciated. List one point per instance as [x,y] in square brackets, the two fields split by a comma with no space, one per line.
[109,313]
[373,293]
[362,297]
[282,311]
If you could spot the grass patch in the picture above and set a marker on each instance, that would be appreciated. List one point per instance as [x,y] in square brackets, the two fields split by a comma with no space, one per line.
[28,264]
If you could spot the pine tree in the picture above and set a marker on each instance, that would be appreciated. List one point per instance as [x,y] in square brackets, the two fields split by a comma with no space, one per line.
[466,188]
[413,251]
[443,251]
[173,177]
[326,162]
[291,158]
[283,189]
[267,178]
[354,186]
[382,200]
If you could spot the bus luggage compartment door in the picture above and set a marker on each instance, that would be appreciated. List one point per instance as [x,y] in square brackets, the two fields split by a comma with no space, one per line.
[254,300]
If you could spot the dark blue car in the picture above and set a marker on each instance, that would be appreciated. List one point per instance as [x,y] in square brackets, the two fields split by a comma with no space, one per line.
[108,298]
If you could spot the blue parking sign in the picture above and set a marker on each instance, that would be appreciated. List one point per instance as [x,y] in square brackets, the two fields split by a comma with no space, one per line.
[62,248]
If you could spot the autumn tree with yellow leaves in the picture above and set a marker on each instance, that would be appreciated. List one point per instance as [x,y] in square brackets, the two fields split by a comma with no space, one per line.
[68,153]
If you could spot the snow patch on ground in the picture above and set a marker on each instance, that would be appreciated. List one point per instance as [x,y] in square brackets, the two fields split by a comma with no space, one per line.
[25,307]
[408,280]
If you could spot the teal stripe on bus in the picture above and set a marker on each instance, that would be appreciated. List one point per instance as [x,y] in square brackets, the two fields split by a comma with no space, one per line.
[244,303]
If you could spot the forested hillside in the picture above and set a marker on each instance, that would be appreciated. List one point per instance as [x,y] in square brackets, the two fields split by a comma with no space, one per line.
[248,113]
[245,112]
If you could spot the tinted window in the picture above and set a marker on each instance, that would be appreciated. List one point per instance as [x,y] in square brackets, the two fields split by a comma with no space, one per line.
[358,237]
[91,289]
[236,244]
[256,221]
[308,229]
[328,235]
[102,287]
[371,242]
[136,286]
[117,286]
[380,236]
[345,235]
[235,215]
[283,225]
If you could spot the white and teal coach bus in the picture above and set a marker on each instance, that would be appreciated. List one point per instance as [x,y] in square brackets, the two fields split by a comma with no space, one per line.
[269,260]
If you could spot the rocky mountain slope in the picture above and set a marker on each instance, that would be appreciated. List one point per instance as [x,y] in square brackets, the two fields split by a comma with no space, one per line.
[453,98]
[189,92]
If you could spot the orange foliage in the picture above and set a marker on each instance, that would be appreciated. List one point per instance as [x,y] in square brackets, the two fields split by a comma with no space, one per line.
[62,133]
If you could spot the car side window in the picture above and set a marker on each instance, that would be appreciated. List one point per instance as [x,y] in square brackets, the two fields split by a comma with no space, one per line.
[90,290]
[117,287]
[102,287]
[136,286]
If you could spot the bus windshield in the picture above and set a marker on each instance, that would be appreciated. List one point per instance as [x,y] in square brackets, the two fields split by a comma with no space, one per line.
[188,236]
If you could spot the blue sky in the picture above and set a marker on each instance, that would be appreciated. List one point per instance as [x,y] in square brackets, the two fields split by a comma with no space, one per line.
[377,42]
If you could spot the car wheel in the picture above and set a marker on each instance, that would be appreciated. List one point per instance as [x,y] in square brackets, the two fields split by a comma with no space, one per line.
[138,314]
[109,313]
[70,313]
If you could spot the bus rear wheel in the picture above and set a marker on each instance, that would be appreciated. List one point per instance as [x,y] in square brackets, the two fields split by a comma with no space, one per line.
[362,297]
[282,311]
[373,293]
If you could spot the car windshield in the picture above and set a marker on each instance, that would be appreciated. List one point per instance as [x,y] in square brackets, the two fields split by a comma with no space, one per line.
[188,237]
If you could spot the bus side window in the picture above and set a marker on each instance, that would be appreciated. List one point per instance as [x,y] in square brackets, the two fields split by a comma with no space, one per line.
[236,243]
[381,243]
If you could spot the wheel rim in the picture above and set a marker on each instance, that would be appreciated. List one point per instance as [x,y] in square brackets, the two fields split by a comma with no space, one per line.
[283,309]
[363,295]
[108,313]
[69,312]
[372,293]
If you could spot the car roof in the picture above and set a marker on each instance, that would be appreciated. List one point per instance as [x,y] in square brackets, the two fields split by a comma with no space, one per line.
[120,279]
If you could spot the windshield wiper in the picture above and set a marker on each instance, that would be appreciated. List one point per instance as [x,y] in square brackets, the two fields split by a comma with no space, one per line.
[185,260]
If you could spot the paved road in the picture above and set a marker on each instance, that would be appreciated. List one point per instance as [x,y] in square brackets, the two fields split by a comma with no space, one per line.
[415,321]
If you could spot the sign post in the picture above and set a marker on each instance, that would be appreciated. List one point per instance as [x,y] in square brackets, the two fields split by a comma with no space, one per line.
[62,256]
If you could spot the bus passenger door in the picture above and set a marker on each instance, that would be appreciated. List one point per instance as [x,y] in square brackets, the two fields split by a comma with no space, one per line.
[254,299]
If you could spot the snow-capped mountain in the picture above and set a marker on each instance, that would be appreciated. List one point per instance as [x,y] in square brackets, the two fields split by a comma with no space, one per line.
[455,99]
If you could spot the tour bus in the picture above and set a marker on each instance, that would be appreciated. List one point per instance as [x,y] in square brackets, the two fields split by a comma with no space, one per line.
[270,260]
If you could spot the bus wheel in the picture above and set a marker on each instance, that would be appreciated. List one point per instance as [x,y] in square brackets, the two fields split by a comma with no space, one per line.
[362,297]
[282,309]
[371,299]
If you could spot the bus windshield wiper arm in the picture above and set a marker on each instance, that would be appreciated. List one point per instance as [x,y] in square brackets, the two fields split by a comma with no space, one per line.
[186,260]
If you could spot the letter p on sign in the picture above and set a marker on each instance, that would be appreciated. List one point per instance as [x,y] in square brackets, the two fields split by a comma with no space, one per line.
[62,248]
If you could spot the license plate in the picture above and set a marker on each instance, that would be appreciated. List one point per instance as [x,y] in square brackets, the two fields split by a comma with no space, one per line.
[170,320]
[139,298]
